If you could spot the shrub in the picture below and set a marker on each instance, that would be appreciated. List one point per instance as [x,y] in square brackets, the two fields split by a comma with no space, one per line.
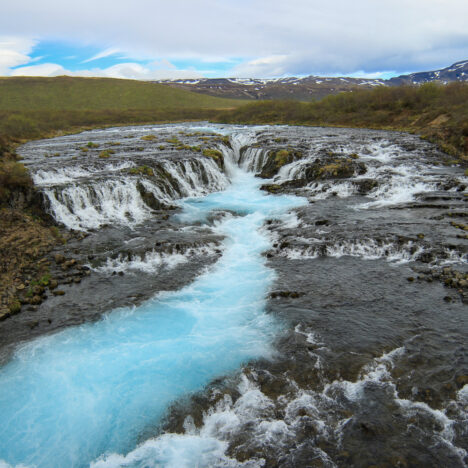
[13,175]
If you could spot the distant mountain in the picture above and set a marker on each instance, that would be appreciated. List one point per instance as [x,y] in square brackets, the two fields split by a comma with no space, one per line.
[456,72]
[308,88]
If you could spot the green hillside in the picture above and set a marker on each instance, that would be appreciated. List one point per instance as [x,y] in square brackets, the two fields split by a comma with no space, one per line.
[70,93]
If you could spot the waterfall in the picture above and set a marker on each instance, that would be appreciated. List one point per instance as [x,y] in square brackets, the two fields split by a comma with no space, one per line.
[92,202]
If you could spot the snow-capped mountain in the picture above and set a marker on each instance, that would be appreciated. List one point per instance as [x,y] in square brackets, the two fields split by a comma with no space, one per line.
[309,87]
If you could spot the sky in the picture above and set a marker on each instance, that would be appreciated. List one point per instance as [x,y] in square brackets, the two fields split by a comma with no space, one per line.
[175,39]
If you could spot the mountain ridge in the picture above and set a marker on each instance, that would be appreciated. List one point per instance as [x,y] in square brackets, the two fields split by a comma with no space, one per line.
[309,88]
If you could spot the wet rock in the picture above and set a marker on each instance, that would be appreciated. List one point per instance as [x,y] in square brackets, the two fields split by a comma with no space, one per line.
[4,314]
[38,290]
[322,222]
[364,186]
[426,257]
[271,188]
[332,167]
[291,294]
[58,292]
[36,300]
[276,159]
[59,258]
[461,381]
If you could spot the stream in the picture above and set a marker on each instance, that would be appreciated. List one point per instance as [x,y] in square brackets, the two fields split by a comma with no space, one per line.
[240,312]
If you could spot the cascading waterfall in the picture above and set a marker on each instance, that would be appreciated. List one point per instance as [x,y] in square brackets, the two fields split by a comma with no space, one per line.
[92,203]
[253,159]
[89,391]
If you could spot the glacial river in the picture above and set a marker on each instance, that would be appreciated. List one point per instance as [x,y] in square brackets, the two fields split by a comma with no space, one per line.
[225,326]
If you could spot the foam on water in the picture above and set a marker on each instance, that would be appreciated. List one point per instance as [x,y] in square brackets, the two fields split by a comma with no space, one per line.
[153,261]
[70,398]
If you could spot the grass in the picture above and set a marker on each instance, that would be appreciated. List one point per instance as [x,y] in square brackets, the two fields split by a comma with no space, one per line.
[98,94]
[437,112]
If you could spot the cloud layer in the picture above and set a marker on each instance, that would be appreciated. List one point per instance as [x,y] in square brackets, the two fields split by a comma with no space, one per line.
[272,38]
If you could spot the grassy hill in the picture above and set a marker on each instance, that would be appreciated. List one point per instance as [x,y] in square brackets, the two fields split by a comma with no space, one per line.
[70,93]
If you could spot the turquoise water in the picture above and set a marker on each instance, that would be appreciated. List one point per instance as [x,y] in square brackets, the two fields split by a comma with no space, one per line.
[69,398]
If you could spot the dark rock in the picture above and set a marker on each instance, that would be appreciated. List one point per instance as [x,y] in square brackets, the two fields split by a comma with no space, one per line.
[36,300]
[364,186]
[38,290]
[59,258]
[332,167]
[425,257]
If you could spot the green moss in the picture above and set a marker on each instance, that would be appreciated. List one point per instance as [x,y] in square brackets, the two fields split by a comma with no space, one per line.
[149,137]
[282,157]
[92,145]
[44,280]
[213,153]
[162,147]
[142,170]
[105,154]
[174,141]
[14,306]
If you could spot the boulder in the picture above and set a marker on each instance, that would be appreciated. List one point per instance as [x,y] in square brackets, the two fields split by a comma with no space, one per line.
[276,159]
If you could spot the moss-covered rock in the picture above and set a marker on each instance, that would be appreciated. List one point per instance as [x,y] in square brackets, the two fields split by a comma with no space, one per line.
[149,137]
[333,167]
[276,159]
[271,188]
[216,155]
[141,170]
[106,153]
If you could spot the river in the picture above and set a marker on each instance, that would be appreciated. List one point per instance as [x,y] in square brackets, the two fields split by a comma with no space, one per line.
[225,326]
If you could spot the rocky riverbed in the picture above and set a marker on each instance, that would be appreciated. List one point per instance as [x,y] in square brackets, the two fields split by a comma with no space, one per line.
[370,362]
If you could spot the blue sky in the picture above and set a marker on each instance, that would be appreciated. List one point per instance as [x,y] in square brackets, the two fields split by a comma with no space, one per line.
[155,39]
[77,57]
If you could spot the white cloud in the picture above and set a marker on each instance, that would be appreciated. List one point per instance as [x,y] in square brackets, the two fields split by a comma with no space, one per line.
[44,69]
[14,51]
[127,70]
[103,54]
[274,36]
